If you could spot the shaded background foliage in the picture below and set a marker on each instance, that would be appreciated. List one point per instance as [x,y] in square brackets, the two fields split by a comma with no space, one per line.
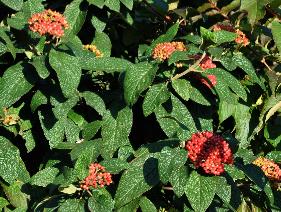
[63,108]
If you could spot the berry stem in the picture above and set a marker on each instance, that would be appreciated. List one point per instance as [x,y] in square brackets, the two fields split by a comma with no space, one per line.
[190,69]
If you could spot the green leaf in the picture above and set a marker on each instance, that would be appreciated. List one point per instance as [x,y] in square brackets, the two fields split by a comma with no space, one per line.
[98,3]
[146,205]
[76,118]
[11,165]
[67,69]
[197,96]
[72,205]
[276,32]
[275,156]
[183,88]
[98,24]
[103,43]
[39,62]
[72,131]
[55,123]
[177,56]
[168,36]
[169,159]
[44,177]
[255,9]
[131,206]
[137,79]
[242,118]
[135,181]
[223,189]
[227,62]
[113,5]
[100,202]
[206,34]
[9,44]
[91,129]
[115,165]
[200,191]
[3,202]
[178,179]
[177,123]
[115,131]
[196,39]
[128,3]
[29,140]
[241,61]
[75,15]
[230,80]
[156,95]
[16,196]
[14,4]
[255,174]
[16,82]
[17,21]
[156,146]
[106,64]
[234,172]
[226,110]
[54,132]
[82,148]
[31,7]
[222,36]
[86,157]
[94,101]
[3,48]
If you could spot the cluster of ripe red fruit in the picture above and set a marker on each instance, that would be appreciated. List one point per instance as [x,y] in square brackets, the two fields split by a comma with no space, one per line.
[209,151]
[48,22]
[97,177]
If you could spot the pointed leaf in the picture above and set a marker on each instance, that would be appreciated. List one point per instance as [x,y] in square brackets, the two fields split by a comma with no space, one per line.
[155,96]
[15,83]
[137,79]
[67,69]
[146,205]
[115,131]
[44,177]
[200,191]
[11,165]
[135,181]
[183,88]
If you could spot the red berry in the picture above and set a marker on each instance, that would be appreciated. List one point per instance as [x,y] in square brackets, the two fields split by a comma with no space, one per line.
[209,151]
[97,177]
[48,22]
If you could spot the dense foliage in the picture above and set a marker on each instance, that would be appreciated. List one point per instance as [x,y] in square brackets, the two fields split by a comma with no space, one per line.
[140,105]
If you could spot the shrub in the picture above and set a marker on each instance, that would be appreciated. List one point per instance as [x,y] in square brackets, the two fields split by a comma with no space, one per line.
[122,105]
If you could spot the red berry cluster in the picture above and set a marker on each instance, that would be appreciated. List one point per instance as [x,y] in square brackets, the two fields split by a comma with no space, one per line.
[205,64]
[240,36]
[209,151]
[211,82]
[97,177]
[270,169]
[48,22]
[164,50]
